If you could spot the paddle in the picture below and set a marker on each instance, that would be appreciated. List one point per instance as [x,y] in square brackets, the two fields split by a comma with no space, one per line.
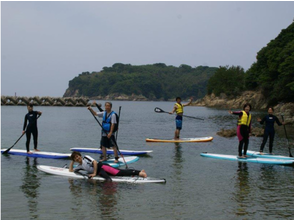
[159,110]
[6,151]
[110,139]
[290,155]
[117,123]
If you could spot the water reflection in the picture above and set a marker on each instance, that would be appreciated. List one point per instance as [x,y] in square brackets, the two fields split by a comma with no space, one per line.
[242,187]
[30,185]
[101,199]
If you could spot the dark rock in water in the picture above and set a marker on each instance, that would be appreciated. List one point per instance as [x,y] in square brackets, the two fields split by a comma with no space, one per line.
[257,132]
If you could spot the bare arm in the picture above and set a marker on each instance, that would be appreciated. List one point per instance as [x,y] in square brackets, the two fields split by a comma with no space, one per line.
[189,103]
[70,169]
[93,112]
[95,166]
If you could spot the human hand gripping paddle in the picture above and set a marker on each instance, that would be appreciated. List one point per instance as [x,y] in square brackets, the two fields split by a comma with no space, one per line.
[6,151]
[290,155]
[110,139]
[159,110]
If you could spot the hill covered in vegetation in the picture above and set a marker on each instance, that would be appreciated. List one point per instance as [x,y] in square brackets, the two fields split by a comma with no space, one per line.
[155,82]
[272,73]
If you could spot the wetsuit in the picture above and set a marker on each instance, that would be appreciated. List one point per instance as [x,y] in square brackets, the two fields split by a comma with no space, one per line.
[269,131]
[243,130]
[31,128]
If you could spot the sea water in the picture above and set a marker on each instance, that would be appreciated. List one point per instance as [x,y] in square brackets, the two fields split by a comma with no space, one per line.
[196,188]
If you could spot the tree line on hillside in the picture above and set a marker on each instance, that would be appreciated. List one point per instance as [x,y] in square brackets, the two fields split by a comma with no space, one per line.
[155,82]
[272,73]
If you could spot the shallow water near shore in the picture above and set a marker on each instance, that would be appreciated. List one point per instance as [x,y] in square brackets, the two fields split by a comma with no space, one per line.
[196,188]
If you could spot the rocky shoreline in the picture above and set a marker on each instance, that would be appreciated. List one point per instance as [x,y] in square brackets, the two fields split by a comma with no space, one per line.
[256,99]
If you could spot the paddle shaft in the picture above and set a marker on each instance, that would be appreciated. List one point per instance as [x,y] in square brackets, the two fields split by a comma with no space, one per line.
[5,152]
[162,111]
[110,138]
[290,155]
[118,123]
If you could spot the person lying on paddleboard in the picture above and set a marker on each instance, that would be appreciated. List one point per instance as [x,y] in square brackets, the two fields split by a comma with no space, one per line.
[243,128]
[90,165]
[179,109]
[108,130]
[31,127]
[269,130]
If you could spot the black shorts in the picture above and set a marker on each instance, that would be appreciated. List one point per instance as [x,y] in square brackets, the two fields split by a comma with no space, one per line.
[107,142]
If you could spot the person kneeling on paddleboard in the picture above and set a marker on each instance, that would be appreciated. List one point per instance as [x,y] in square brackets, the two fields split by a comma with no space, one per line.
[90,165]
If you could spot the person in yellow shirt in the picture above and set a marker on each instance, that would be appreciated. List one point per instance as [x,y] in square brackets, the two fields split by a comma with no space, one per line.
[179,109]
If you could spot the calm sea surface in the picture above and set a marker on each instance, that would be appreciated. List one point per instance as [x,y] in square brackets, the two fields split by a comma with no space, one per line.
[196,188]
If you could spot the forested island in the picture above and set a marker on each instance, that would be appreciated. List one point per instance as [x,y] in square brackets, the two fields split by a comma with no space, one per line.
[271,76]
[151,82]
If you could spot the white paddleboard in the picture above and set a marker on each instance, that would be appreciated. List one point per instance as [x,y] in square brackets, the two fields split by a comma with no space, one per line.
[65,172]
[181,140]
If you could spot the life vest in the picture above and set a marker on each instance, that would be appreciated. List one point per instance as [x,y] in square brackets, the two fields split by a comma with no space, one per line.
[180,108]
[106,123]
[245,119]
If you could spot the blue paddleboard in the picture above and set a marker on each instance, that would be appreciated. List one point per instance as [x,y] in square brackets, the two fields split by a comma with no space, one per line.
[249,159]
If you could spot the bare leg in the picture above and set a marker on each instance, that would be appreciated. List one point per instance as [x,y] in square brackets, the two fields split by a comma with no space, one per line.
[103,153]
[115,154]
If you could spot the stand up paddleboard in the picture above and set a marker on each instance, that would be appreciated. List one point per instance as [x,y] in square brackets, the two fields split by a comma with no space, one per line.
[127,179]
[266,155]
[181,140]
[110,151]
[121,162]
[42,154]
[248,159]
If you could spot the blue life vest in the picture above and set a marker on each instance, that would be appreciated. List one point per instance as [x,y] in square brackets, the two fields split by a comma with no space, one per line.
[106,123]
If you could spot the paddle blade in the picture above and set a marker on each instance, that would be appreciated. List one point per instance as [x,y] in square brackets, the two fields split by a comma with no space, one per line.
[6,151]
[159,110]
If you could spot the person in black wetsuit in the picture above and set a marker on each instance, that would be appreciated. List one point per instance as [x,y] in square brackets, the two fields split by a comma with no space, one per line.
[269,130]
[31,127]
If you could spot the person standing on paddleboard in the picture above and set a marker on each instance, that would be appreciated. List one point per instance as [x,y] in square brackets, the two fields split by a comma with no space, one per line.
[90,165]
[108,130]
[269,130]
[243,129]
[31,127]
[179,109]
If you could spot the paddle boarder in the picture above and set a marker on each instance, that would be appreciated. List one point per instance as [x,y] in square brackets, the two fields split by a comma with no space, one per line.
[31,127]
[108,130]
[179,109]
[269,130]
[90,165]
[243,128]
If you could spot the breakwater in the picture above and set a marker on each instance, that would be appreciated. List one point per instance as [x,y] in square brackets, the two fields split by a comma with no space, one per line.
[44,101]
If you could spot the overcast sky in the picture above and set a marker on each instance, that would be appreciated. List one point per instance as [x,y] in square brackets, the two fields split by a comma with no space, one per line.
[46,44]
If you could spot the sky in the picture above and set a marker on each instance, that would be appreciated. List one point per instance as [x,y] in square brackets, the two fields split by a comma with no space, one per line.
[44,45]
